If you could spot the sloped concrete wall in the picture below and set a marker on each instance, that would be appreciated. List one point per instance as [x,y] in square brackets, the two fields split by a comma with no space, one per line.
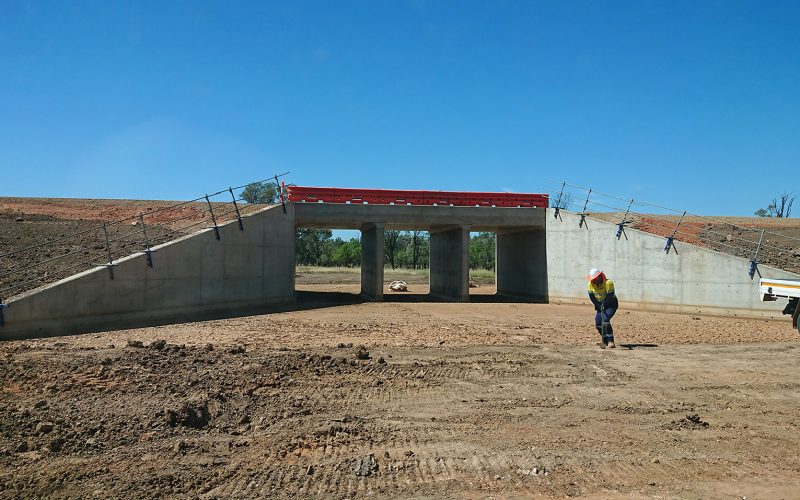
[193,278]
[693,280]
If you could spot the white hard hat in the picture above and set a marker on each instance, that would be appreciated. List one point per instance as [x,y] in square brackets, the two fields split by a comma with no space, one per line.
[594,273]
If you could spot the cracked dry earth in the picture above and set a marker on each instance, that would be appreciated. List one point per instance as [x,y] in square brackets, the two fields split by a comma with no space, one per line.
[418,400]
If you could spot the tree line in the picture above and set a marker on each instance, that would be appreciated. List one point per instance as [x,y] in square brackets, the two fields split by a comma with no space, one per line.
[402,249]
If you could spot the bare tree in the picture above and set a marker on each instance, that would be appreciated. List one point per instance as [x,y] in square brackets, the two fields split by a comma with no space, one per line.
[415,248]
[781,207]
[563,202]
[390,242]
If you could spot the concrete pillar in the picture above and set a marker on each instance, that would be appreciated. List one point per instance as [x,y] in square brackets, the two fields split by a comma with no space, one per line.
[521,264]
[372,261]
[449,261]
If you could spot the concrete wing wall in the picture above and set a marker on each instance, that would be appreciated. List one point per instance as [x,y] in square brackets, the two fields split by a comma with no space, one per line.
[195,277]
[694,279]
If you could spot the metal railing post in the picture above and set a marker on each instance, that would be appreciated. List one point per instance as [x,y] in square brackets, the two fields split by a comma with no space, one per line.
[280,194]
[19,283]
[213,218]
[754,260]
[671,238]
[110,264]
[147,250]
[236,206]
[621,225]
[557,211]
[582,222]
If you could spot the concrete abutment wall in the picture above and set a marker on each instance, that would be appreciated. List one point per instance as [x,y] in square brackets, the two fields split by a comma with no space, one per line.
[193,278]
[691,280]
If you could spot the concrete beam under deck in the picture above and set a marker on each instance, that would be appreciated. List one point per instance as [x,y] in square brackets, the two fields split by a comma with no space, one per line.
[421,218]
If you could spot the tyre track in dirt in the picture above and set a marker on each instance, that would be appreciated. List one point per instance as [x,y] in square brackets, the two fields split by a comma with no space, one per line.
[435,467]
[296,418]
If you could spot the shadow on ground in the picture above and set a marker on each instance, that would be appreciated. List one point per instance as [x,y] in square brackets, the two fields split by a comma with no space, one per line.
[636,346]
[310,299]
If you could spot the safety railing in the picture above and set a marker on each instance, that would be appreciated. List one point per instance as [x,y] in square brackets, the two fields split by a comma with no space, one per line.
[146,226]
[756,243]
[305,194]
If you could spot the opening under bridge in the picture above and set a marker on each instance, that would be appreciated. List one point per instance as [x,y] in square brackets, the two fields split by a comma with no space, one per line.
[517,219]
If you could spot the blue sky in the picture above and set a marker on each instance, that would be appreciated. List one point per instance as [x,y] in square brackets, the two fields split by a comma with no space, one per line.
[693,105]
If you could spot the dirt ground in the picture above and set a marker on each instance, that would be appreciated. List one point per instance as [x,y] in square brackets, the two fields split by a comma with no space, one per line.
[443,400]
[406,398]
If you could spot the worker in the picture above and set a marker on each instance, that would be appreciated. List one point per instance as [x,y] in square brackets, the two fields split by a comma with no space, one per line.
[601,293]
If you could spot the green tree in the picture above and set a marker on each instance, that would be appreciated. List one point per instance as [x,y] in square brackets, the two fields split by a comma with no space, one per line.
[482,251]
[261,193]
[313,246]
[391,244]
[346,253]
[413,250]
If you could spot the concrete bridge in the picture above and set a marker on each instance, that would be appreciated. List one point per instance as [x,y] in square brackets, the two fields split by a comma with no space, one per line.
[539,259]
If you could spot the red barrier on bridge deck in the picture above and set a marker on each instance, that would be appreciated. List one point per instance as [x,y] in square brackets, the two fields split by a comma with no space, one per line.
[392,197]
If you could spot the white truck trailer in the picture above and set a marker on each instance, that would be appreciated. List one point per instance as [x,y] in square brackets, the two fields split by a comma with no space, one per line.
[774,289]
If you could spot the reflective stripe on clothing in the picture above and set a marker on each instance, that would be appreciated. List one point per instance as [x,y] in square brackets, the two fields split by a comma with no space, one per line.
[604,317]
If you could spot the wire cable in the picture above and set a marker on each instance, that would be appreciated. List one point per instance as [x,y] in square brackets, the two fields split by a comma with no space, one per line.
[738,246]
[715,220]
[121,241]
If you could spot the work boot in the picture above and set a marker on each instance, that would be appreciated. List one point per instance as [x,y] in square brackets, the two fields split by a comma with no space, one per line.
[612,345]
[602,342]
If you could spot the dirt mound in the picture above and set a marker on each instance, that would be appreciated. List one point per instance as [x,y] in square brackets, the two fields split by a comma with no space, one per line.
[690,422]
[736,236]
[157,212]
[43,240]
[190,414]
